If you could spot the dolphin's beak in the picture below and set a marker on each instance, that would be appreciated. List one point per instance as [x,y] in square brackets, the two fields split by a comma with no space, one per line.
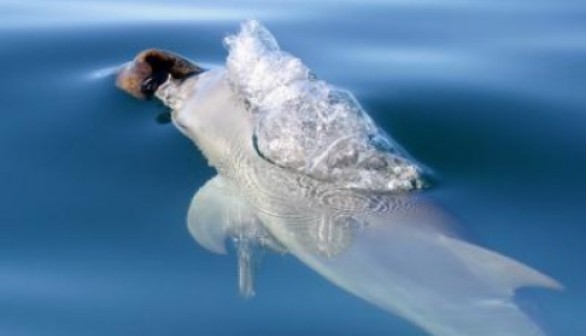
[151,68]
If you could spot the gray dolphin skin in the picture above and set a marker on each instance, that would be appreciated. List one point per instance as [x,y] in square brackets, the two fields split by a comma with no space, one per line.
[302,169]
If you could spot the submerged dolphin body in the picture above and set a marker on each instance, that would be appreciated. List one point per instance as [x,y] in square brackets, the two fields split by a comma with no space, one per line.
[302,169]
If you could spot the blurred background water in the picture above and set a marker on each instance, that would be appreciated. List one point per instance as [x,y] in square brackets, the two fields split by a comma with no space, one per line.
[94,192]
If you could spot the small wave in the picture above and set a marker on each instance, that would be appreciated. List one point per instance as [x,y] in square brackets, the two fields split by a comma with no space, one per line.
[105,72]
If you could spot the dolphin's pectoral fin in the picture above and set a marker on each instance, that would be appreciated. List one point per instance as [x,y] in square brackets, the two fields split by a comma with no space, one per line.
[216,213]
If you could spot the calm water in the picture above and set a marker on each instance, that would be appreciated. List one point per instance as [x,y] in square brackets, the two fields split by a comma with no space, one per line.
[94,192]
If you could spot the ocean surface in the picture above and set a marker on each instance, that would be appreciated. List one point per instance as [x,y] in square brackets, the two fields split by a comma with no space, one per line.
[94,188]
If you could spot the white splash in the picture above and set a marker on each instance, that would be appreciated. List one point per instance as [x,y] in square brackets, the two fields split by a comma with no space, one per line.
[310,126]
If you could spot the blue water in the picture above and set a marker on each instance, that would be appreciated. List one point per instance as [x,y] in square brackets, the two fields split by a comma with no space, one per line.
[94,191]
